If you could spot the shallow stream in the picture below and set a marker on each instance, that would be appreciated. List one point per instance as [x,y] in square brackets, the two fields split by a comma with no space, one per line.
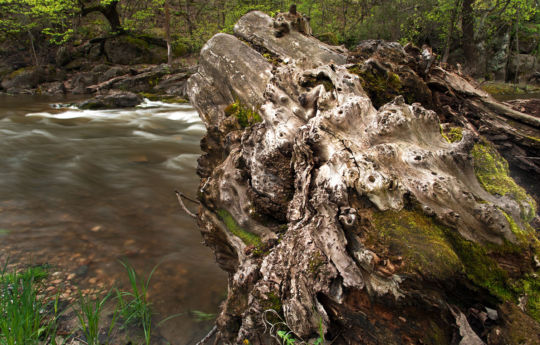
[81,190]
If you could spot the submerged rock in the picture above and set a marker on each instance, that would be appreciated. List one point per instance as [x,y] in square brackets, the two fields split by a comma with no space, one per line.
[339,202]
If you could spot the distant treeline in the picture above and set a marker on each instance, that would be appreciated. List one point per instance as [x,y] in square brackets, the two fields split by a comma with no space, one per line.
[463,28]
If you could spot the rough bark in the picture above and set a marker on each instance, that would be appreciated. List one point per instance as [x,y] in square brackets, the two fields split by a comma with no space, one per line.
[469,45]
[108,10]
[350,193]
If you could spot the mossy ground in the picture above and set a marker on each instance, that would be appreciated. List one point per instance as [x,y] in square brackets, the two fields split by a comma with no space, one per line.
[499,88]
[246,117]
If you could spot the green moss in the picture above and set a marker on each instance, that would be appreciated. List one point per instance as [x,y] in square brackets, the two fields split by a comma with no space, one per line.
[246,117]
[381,86]
[435,334]
[316,262]
[328,38]
[499,88]
[140,43]
[154,81]
[247,237]
[321,79]
[420,242]
[492,172]
[480,268]
[273,302]
[92,106]
[452,134]
[438,252]
[530,287]
[19,72]
[272,58]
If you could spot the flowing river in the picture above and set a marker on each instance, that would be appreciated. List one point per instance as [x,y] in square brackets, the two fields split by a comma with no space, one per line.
[81,190]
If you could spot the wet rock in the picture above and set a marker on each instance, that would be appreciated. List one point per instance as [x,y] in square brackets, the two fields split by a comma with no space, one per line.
[63,56]
[30,77]
[524,64]
[119,99]
[80,82]
[175,84]
[112,72]
[130,50]
[54,88]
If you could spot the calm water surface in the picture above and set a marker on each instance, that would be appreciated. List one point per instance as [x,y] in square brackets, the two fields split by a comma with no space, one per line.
[82,189]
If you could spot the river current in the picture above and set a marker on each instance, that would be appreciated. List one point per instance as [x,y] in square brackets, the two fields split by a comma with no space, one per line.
[81,190]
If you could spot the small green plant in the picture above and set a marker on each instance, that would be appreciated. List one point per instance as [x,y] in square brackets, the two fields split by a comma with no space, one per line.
[134,306]
[89,316]
[25,317]
[246,116]
[201,316]
[281,332]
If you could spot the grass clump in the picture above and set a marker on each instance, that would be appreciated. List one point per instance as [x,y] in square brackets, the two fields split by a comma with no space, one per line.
[247,237]
[246,117]
[133,305]
[89,316]
[25,316]
[492,172]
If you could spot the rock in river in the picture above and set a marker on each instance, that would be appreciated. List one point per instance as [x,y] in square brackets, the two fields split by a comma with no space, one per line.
[118,99]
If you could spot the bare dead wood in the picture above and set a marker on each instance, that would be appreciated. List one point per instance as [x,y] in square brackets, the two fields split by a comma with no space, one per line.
[333,169]
[179,196]
[208,336]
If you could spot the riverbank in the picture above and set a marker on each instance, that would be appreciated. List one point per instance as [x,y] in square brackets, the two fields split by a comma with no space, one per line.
[82,190]
[98,67]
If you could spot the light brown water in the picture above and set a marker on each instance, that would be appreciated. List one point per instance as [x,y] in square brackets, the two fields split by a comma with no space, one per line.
[80,190]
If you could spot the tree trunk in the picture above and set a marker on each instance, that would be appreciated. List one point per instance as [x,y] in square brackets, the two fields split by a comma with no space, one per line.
[168,32]
[451,26]
[469,46]
[516,77]
[109,11]
[33,48]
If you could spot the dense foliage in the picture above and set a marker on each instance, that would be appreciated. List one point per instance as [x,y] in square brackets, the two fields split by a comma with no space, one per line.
[462,26]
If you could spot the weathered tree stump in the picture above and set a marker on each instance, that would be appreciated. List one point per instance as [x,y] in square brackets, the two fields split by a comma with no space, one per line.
[362,194]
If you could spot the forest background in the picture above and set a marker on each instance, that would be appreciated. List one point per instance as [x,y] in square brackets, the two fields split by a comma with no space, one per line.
[489,38]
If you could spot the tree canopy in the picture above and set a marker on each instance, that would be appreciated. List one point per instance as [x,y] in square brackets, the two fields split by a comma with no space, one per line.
[447,25]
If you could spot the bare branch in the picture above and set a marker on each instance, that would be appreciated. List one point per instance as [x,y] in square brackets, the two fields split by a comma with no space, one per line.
[179,197]
[210,334]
